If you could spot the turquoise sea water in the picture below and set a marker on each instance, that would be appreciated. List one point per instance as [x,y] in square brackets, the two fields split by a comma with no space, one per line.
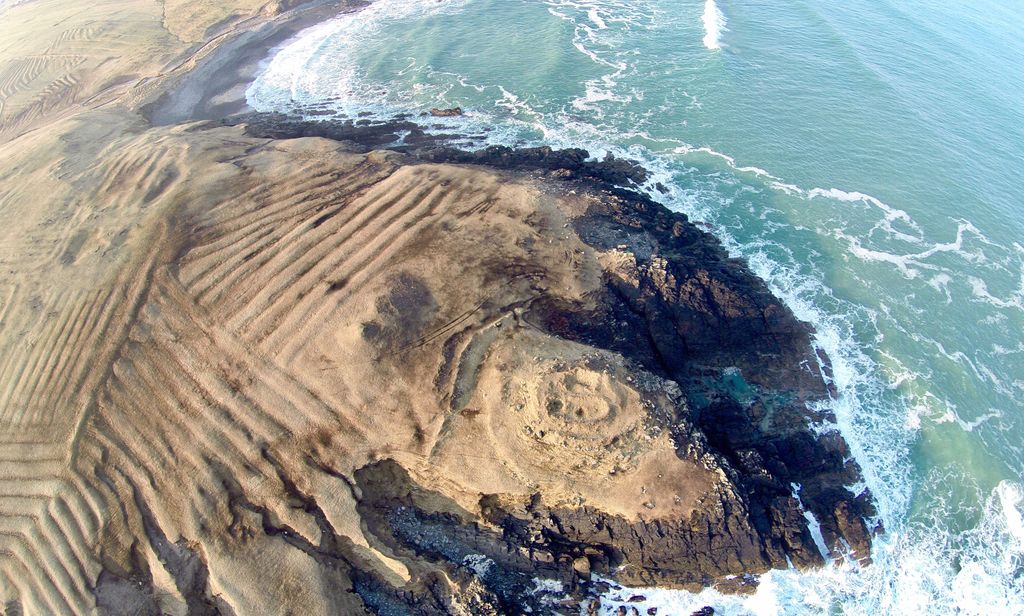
[866,157]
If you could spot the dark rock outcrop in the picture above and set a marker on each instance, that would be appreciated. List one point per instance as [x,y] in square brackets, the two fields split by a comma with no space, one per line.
[404,135]
[446,113]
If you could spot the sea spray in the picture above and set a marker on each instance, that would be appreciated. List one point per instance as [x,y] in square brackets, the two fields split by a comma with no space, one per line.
[714,25]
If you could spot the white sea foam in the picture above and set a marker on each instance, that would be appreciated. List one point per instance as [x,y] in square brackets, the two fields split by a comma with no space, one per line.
[916,570]
[306,69]
[593,37]
[595,17]
[969,426]
[895,228]
[940,282]
[686,149]
[478,563]
[714,25]
[980,289]
[812,524]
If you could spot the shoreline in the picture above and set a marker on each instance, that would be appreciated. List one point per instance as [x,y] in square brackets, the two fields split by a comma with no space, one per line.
[302,331]
[215,88]
[617,178]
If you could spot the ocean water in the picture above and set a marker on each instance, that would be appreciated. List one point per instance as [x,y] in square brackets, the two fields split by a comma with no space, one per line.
[866,157]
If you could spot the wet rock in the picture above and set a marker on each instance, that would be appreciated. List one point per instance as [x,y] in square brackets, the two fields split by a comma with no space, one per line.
[446,113]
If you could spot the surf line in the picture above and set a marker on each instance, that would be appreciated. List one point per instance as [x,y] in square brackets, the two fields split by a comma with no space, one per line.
[714,25]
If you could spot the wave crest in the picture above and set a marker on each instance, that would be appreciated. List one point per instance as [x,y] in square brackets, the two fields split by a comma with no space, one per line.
[714,25]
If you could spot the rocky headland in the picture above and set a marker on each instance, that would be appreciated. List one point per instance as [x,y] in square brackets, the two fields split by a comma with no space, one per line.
[343,367]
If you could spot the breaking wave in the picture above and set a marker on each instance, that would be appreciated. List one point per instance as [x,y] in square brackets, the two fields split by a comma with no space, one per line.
[714,25]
